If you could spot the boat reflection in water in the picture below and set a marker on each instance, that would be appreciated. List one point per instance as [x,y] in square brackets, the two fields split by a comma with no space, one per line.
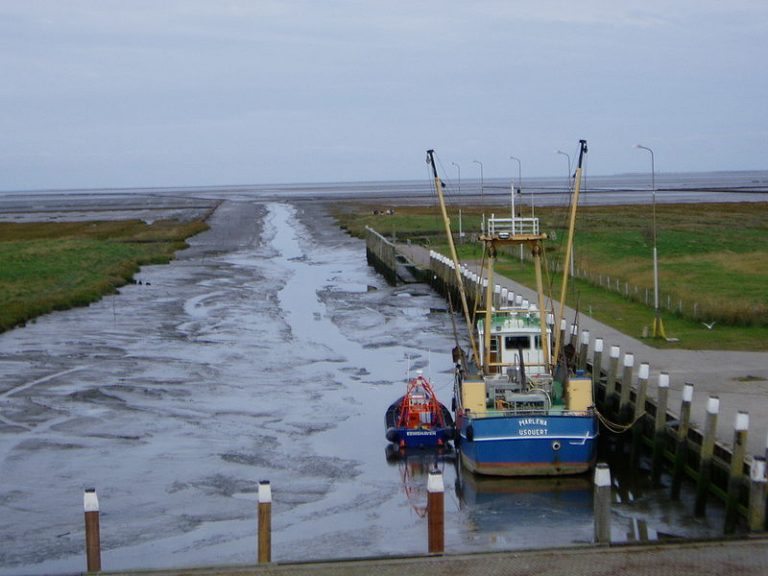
[415,465]
[527,512]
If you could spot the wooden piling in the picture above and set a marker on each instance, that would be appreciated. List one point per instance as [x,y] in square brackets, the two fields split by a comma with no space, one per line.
[265,522]
[681,449]
[92,530]
[597,363]
[581,363]
[736,472]
[610,383]
[757,495]
[602,503]
[707,449]
[637,427]
[660,428]
[626,384]
[435,512]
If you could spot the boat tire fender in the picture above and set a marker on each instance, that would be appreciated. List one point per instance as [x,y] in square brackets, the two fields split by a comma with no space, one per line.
[470,433]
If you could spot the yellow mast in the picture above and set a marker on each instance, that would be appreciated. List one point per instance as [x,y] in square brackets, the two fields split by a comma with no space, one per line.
[568,248]
[454,256]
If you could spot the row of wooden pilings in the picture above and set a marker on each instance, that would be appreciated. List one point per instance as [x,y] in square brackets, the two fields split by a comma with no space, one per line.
[435,517]
[729,474]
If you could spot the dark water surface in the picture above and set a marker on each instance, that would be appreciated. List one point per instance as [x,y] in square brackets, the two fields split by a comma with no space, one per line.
[267,350]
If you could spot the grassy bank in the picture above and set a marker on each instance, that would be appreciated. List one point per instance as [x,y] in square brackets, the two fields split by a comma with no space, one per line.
[56,266]
[713,263]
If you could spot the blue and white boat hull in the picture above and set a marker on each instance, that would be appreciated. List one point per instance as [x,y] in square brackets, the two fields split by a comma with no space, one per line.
[547,445]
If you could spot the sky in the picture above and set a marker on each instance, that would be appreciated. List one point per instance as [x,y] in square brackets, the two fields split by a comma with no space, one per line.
[134,93]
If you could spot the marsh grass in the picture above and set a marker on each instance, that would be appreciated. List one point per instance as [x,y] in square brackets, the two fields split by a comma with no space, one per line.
[56,266]
[713,256]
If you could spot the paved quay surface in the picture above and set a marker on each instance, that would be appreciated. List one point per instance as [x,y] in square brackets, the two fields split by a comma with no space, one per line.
[712,372]
[716,558]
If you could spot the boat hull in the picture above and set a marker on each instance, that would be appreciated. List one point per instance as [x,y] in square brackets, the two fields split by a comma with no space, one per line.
[548,445]
[424,436]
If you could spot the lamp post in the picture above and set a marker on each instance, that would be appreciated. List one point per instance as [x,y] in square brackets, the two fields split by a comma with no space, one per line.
[482,192]
[461,234]
[568,187]
[658,326]
[520,191]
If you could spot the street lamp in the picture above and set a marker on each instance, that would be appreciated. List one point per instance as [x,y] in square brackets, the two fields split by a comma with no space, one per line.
[520,191]
[482,193]
[459,169]
[658,326]
[568,187]
[569,167]
[461,233]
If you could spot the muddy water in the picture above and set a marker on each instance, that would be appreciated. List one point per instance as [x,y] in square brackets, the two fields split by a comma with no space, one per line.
[267,350]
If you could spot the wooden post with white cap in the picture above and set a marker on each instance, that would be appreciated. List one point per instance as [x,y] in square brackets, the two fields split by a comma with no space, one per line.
[707,450]
[637,427]
[681,451]
[660,428]
[610,383]
[265,522]
[435,512]
[92,532]
[602,503]
[736,475]
[757,495]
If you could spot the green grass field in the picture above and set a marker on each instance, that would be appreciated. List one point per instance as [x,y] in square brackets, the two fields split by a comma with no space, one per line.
[713,263]
[56,266]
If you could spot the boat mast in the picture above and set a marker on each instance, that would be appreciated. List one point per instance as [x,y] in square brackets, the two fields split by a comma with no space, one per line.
[454,256]
[568,249]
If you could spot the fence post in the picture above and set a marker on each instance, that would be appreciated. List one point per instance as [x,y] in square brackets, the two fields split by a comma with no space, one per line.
[265,522]
[681,452]
[92,530]
[707,449]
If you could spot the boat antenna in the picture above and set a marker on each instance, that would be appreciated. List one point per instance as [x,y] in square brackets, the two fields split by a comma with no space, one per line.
[456,264]
[569,247]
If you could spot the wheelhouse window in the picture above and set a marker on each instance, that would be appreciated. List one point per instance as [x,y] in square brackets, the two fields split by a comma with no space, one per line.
[515,342]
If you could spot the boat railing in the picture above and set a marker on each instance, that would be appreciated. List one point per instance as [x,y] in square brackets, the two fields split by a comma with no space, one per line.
[529,412]
[512,226]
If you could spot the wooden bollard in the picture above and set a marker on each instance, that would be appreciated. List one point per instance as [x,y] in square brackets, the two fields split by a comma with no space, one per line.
[707,449]
[637,428]
[602,504]
[681,450]
[265,522]
[626,385]
[581,363]
[92,531]
[610,383]
[757,484]
[435,512]
[736,475]
[563,330]
[660,428]
[597,363]
[574,334]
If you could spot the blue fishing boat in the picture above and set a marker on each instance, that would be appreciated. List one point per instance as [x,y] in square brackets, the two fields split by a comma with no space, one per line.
[519,408]
[417,419]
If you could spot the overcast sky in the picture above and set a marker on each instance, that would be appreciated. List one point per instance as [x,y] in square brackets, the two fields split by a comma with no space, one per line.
[189,92]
